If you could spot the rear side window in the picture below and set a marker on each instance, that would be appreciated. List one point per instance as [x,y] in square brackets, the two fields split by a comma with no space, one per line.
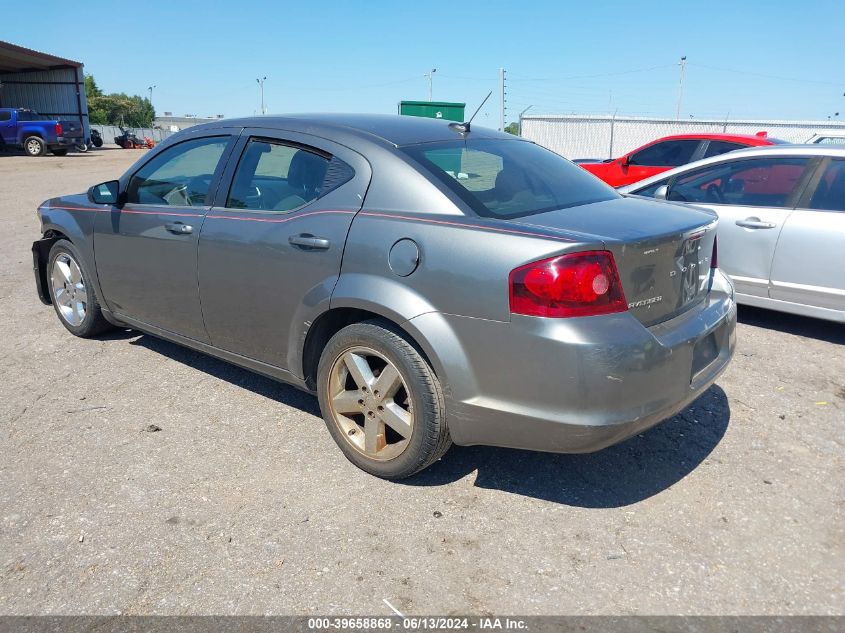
[830,192]
[273,176]
[666,154]
[509,178]
[30,115]
[715,148]
[180,176]
[754,182]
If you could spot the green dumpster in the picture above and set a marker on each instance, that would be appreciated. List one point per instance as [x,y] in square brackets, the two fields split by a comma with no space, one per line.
[433,110]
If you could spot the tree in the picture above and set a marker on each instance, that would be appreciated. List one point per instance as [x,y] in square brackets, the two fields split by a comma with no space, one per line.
[512,128]
[117,108]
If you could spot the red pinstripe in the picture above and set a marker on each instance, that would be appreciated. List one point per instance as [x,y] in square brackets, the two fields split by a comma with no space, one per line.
[372,214]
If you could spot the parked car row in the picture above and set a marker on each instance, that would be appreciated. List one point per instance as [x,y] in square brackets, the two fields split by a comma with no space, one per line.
[668,152]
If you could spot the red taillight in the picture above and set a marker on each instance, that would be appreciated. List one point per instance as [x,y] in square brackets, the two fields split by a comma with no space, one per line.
[578,284]
[58,129]
[714,258]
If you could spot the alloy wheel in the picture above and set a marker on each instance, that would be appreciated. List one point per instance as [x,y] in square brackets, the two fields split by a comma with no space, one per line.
[69,290]
[370,403]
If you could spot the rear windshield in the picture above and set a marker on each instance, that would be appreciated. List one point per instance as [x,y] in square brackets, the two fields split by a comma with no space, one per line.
[30,115]
[509,178]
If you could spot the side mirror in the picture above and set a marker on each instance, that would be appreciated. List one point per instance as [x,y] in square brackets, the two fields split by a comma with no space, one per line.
[662,192]
[105,193]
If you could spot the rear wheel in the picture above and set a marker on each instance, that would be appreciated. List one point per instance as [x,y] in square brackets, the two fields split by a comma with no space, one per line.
[34,146]
[381,401]
[72,296]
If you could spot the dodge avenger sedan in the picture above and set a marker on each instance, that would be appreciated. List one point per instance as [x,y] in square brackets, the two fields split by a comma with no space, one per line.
[431,282]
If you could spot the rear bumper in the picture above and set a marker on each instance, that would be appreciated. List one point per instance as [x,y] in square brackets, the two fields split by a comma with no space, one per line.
[580,385]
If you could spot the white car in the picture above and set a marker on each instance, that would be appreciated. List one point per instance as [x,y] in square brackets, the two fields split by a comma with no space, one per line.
[827,138]
[781,222]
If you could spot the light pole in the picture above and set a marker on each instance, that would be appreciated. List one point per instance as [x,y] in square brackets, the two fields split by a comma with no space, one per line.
[260,83]
[520,118]
[430,81]
[150,88]
[683,65]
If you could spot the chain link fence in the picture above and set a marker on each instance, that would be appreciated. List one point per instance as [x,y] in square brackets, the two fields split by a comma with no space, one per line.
[108,132]
[587,136]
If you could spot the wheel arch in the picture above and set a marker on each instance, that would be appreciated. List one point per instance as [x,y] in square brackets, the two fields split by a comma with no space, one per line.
[330,322]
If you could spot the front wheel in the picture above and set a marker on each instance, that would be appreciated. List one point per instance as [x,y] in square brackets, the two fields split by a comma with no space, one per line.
[71,293]
[82,147]
[381,401]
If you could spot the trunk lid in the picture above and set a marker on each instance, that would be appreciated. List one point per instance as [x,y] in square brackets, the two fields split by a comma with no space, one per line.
[662,250]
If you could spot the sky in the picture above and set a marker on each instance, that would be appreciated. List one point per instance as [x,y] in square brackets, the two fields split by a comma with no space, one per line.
[746,59]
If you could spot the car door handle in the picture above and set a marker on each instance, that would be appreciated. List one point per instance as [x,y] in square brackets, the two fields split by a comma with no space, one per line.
[755,223]
[309,242]
[180,228]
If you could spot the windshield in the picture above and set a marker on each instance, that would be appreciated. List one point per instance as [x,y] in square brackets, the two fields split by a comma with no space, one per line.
[509,178]
[31,115]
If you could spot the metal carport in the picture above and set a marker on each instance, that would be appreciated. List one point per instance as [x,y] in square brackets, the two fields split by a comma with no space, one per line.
[45,83]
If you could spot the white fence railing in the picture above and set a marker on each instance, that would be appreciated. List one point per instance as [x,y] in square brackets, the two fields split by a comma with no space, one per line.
[587,136]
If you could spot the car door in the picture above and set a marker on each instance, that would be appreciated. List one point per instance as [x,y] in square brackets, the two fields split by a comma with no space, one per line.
[810,255]
[271,246]
[7,127]
[656,158]
[146,248]
[753,198]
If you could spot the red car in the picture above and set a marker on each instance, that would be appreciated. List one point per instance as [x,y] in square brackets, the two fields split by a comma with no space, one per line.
[669,152]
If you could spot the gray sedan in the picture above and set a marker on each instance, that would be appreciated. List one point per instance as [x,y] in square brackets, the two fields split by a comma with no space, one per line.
[430,282]
[782,222]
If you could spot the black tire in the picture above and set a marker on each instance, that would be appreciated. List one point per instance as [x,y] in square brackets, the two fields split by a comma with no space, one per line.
[94,322]
[34,146]
[59,151]
[430,438]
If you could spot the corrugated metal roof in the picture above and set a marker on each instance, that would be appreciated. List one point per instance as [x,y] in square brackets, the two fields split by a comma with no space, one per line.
[15,59]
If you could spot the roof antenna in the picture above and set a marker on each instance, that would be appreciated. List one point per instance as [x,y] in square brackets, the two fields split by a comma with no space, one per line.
[463,128]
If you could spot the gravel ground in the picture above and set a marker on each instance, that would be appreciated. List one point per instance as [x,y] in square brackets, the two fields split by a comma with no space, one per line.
[241,504]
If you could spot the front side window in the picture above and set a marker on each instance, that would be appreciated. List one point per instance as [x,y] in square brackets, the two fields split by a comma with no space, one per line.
[830,192]
[272,176]
[180,176]
[5,116]
[753,182]
[665,154]
[715,148]
[508,178]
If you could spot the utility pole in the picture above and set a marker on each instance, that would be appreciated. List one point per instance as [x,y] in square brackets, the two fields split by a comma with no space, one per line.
[150,88]
[260,83]
[430,75]
[502,72]
[683,66]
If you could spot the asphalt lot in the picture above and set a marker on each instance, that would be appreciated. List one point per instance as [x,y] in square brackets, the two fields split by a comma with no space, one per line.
[241,503]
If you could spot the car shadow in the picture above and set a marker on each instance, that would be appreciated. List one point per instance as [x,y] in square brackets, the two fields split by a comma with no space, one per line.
[261,385]
[793,324]
[621,475]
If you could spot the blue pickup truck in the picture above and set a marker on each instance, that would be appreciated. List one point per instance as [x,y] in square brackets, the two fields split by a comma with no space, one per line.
[36,133]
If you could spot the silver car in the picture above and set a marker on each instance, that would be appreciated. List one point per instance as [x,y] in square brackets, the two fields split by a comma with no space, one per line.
[430,282]
[781,222]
